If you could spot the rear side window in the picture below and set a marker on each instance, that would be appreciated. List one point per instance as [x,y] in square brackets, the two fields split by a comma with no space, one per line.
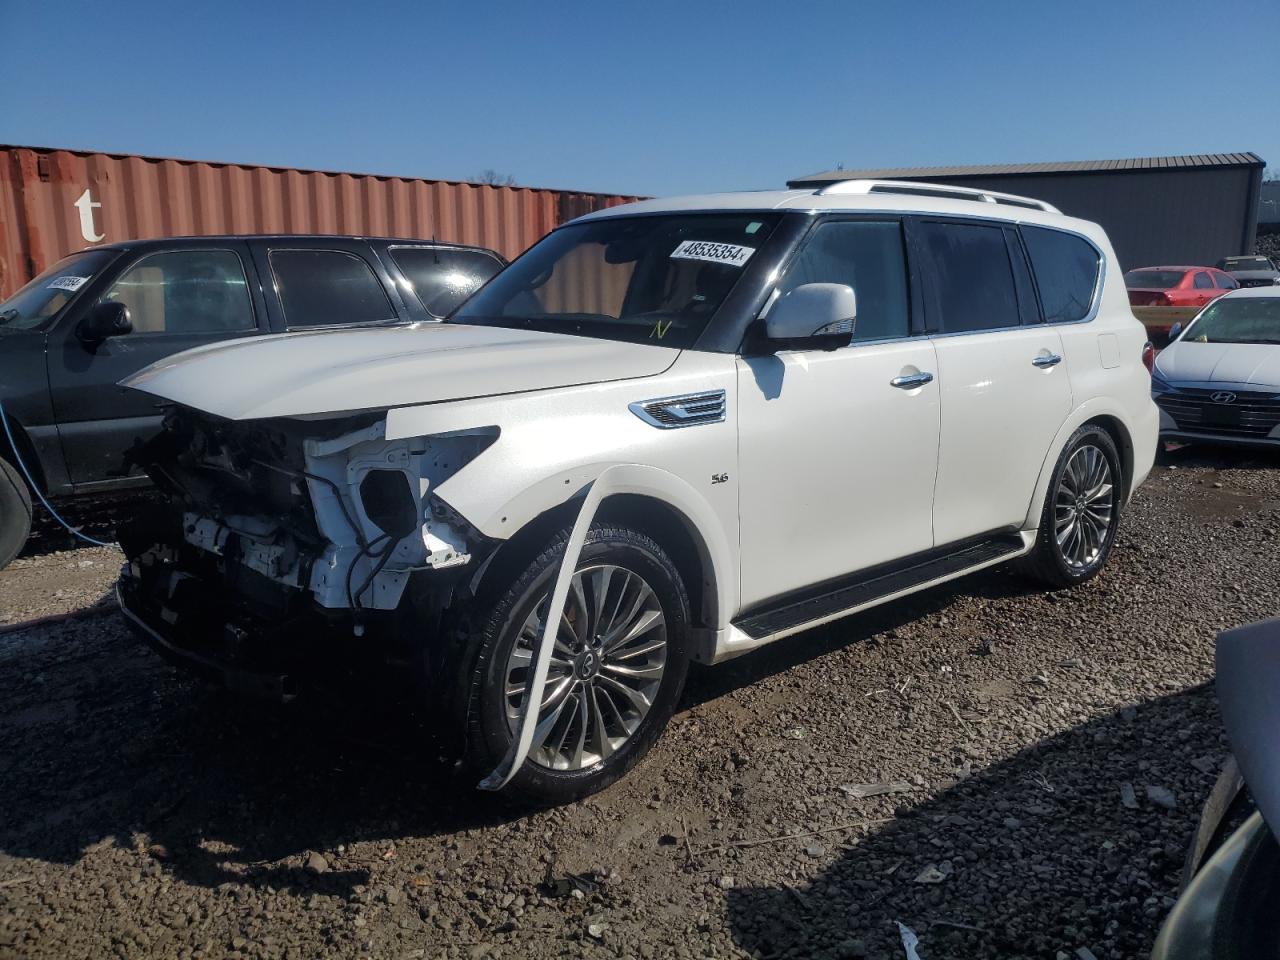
[443,278]
[1153,279]
[867,257]
[1202,281]
[185,291]
[1066,269]
[972,277]
[321,288]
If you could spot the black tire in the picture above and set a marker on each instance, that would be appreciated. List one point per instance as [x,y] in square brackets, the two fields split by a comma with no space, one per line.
[15,513]
[484,664]
[1048,562]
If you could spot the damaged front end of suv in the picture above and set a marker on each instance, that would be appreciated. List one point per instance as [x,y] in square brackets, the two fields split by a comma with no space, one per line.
[281,540]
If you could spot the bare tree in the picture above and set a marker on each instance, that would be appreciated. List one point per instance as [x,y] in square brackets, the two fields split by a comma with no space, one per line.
[495,179]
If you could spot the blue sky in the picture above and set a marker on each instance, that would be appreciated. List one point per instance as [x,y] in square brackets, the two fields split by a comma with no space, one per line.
[646,98]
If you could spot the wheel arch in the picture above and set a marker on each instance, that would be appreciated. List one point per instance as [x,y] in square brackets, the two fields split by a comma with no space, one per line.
[1104,415]
[1120,436]
[26,451]
[680,538]
[650,501]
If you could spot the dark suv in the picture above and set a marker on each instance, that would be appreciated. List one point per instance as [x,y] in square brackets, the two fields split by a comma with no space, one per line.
[70,335]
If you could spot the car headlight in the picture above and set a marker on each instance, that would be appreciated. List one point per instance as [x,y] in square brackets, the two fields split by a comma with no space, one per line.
[1158,383]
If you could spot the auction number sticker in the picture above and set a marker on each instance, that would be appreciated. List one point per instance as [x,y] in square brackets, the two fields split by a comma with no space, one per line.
[68,283]
[729,253]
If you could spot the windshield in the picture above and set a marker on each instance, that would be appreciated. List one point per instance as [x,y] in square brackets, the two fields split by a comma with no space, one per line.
[1160,279]
[43,297]
[1237,320]
[652,280]
[1247,263]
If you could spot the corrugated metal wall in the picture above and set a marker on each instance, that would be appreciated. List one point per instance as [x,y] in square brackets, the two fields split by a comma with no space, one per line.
[1153,217]
[53,202]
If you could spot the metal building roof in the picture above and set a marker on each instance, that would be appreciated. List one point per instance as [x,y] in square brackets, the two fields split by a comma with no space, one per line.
[1200,160]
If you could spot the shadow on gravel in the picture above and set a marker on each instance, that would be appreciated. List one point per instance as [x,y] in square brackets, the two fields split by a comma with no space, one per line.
[96,516]
[1218,458]
[706,684]
[102,741]
[1031,837]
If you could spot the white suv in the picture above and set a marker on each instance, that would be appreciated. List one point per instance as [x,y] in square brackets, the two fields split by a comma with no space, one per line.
[671,431]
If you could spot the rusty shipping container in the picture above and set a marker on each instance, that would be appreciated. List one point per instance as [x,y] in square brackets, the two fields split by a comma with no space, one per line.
[53,202]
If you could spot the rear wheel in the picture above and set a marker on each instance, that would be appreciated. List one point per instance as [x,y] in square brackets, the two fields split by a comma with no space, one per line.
[15,513]
[617,667]
[1081,511]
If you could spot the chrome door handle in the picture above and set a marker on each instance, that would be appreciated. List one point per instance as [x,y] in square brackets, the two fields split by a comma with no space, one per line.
[1052,360]
[911,381]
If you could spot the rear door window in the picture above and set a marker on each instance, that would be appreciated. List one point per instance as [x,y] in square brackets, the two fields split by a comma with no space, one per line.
[442,277]
[1066,269]
[1202,281]
[185,291]
[323,288]
[972,285]
[867,256]
[1153,279]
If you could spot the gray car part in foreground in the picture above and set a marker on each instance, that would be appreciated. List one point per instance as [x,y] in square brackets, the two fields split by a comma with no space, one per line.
[1214,916]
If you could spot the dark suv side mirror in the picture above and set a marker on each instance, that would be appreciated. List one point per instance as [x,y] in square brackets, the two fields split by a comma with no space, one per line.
[104,320]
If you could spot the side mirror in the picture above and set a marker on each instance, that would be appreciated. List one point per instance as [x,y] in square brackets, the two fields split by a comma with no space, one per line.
[104,320]
[813,316]
[1174,331]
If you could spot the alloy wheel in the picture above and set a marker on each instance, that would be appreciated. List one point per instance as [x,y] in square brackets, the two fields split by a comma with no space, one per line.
[1084,508]
[607,664]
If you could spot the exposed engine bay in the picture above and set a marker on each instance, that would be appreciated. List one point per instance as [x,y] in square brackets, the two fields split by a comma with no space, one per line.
[284,519]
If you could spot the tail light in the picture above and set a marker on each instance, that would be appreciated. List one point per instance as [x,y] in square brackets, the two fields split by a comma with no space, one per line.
[1161,300]
[1149,356]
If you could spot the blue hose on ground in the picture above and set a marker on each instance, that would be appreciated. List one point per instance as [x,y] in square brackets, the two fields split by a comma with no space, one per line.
[13,445]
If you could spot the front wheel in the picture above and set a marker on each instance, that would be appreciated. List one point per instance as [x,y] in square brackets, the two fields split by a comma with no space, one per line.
[617,667]
[1081,511]
[15,513]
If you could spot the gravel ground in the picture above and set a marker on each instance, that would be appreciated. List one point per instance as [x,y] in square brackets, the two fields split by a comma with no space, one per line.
[146,815]
[1268,245]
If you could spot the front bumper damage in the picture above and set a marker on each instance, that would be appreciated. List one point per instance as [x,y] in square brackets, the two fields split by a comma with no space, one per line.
[287,548]
[247,655]
[258,589]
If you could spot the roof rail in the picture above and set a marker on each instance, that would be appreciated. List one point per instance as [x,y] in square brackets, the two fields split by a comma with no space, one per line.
[943,190]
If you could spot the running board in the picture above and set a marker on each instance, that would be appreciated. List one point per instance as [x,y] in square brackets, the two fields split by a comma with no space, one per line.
[867,586]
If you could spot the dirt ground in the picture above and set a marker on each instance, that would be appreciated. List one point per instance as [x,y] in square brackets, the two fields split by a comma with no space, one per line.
[146,815]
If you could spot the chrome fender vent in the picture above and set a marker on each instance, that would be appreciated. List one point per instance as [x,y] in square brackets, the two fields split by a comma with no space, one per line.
[690,410]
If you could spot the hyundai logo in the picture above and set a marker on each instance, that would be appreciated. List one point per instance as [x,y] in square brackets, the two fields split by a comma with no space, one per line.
[1223,396]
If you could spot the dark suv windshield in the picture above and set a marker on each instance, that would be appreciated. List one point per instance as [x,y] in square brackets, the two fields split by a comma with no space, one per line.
[652,280]
[1237,320]
[48,293]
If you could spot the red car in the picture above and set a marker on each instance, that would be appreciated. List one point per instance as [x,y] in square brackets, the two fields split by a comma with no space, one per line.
[1176,286]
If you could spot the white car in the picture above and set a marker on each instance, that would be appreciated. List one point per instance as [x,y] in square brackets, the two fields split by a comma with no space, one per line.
[675,430]
[1219,379]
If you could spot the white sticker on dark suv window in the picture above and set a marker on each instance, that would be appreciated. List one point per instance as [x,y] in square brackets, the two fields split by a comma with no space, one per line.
[68,283]
[728,253]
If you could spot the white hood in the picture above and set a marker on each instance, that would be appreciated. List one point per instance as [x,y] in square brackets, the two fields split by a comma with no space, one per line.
[371,368]
[1255,364]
